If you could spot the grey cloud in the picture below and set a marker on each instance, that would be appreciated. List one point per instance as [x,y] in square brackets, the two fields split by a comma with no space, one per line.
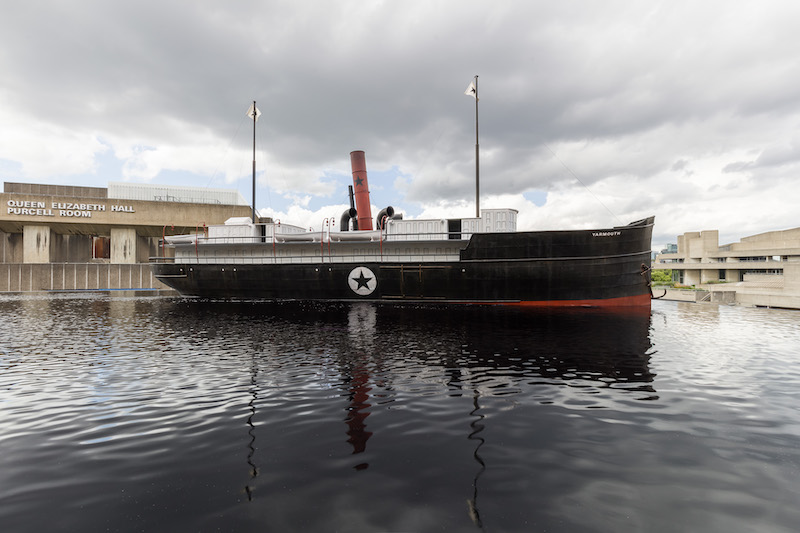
[773,157]
[615,90]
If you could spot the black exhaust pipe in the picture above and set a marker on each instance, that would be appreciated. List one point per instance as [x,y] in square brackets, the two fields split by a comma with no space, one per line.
[347,216]
[386,212]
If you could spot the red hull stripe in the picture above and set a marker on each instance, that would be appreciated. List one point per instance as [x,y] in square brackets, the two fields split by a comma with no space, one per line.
[624,301]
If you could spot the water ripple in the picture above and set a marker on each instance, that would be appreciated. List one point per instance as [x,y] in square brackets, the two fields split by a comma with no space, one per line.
[160,413]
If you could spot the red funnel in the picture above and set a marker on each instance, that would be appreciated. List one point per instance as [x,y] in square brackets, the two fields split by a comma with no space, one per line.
[361,188]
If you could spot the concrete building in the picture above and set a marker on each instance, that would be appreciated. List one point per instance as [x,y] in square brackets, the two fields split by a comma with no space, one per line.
[56,237]
[762,270]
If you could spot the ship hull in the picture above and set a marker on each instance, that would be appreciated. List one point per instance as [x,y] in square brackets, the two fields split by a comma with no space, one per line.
[552,268]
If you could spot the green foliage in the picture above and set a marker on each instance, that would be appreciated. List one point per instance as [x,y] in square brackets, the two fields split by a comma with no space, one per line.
[661,277]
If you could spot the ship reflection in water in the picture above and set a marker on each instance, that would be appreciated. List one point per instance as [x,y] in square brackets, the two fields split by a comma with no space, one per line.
[478,352]
[378,356]
[356,377]
[128,413]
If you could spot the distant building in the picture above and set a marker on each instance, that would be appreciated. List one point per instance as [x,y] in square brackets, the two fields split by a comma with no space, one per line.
[671,248]
[59,237]
[761,270]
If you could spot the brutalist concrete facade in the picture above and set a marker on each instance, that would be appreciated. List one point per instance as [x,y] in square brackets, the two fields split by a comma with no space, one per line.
[760,270]
[56,237]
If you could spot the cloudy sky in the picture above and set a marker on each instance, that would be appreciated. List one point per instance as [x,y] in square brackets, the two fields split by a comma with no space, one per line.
[592,114]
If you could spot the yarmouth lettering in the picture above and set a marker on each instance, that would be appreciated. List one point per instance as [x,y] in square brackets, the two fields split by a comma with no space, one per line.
[606,233]
[61,209]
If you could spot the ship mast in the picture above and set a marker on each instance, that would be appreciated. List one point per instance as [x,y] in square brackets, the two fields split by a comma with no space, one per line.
[255,117]
[472,91]
[477,158]
[254,113]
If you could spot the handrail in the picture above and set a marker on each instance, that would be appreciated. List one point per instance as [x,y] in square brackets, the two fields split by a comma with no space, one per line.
[274,238]
[421,257]
[164,236]
[306,237]
[332,220]
[383,228]
[197,238]
[322,239]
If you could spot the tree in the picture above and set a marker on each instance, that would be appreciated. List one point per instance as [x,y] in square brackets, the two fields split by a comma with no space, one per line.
[661,276]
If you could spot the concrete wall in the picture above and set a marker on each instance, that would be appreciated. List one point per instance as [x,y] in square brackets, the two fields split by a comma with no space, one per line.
[146,247]
[773,240]
[25,277]
[766,299]
[53,223]
[70,248]
[123,245]
[36,244]
[10,247]
[678,295]
[149,218]
[701,245]
[701,264]
[791,277]
[691,277]
[707,276]
[63,248]
[681,295]
[723,297]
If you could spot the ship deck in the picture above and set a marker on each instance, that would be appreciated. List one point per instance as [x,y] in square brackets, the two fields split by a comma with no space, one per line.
[267,251]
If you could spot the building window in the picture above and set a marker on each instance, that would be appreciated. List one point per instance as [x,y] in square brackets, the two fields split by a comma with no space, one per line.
[761,272]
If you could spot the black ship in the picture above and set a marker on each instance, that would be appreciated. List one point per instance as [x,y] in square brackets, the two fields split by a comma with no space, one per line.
[481,260]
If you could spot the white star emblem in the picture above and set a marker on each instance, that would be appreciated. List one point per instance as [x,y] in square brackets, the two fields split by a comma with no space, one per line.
[362,281]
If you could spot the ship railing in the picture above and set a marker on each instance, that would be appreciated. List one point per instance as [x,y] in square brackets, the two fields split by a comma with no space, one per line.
[374,236]
[414,256]
[264,249]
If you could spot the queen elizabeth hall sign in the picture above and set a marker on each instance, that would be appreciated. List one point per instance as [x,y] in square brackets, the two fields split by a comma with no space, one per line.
[62,209]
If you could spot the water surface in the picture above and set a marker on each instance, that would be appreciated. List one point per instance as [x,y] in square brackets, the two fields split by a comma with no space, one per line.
[165,414]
